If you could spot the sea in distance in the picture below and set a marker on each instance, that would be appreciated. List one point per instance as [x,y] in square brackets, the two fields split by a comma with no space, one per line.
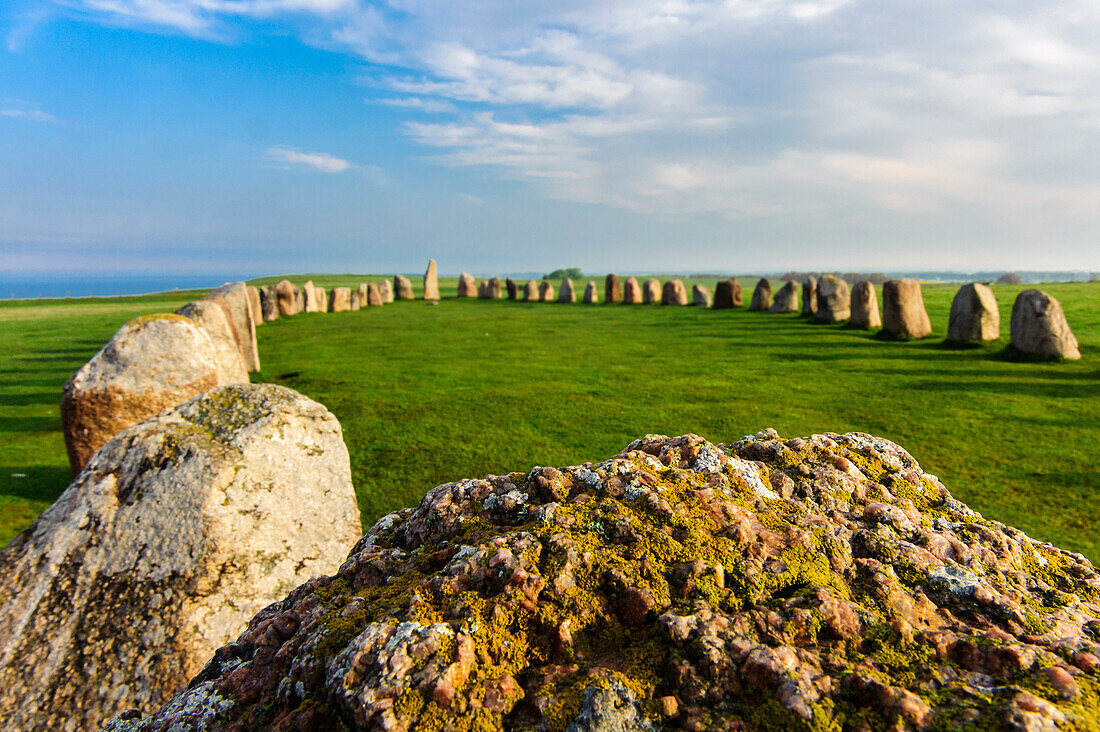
[22,287]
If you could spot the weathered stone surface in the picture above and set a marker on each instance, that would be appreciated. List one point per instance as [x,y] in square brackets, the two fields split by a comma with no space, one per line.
[727,293]
[359,297]
[321,297]
[374,297]
[700,296]
[339,300]
[590,295]
[651,291]
[975,316]
[531,291]
[762,295]
[864,308]
[632,292]
[1039,327]
[817,583]
[834,300]
[431,282]
[269,303]
[467,286]
[313,294]
[809,296]
[179,530]
[612,289]
[254,304]
[546,291]
[236,297]
[785,299]
[494,289]
[511,288]
[567,293]
[674,293]
[903,313]
[212,314]
[288,298]
[402,288]
[151,363]
[385,291]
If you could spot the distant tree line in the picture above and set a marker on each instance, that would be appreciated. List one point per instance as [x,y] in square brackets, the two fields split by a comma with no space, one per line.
[573,273]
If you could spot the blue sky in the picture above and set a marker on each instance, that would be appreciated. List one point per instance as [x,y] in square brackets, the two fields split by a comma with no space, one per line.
[267,136]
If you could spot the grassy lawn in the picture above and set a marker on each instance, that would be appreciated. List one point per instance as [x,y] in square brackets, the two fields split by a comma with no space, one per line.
[428,393]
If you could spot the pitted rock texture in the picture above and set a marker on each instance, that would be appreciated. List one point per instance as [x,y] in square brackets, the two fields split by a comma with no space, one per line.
[179,530]
[236,297]
[212,313]
[823,583]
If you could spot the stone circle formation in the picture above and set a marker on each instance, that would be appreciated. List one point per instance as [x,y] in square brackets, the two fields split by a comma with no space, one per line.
[206,568]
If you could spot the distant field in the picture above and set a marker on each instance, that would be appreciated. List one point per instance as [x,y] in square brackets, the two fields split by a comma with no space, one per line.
[428,394]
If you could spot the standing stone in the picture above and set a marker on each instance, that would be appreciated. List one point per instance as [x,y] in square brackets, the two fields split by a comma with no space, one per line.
[339,300]
[632,292]
[483,290]
[546,291]
[466,285]
[254,304]
[321,297]
[590,296]
[762,295]
[809,296]
[531,291]
[374,296]
[512,288]
[975,316]
[151,363]
[612,289]
[179,531]
[674,293]
[903,313]
[727,293]
[236,296]
[358,297]
[431,282]
[385,291]
[269,303]
[1039,327]
[312,306]
[786,298]
[494,288]
[651,291]
[834,301]
[700,296]
[567,293]
[212,314]
[288,298]
[300,297]
[864,315]
[402,288]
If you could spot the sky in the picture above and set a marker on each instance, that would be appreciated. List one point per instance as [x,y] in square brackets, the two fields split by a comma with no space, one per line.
[275,136]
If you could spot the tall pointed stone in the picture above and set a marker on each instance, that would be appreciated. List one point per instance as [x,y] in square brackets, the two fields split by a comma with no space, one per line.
[612,289]
[762,295]
[632,292]
[567,294]
[590,296]
[431,282]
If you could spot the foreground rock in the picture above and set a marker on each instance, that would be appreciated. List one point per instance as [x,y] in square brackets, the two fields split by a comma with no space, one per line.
[212,314]
[235,295]
[567,293]
[339,300]
[975,317]
[786,298]
[834,300]
[402,288]
[674,293]
[761,295]
[612,289]
[385,291]
[151,363]
[632,292]
[1039,327]
[531,291]
[269,303]
[431,282]
[903,313]
[591,297]
[651,291]
[865,314]
[818,583]
[809,296]
[467,286]
[178,531]
[727,293]
[288,298]
[700,296]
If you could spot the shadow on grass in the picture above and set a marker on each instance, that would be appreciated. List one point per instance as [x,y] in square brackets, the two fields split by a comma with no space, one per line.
[35,483]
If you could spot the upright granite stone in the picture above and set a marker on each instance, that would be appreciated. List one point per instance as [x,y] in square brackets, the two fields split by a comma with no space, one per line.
[674,293]
[483,290]
[339,300]
[254,304]
[374,296]
[727,293]
[212,314]
[546,291]
[312,303]
[236,296]
[632,292]
[1039,327]
[864,308]
[590,295]
[385,291]
[762,295]
[612,289]
[786,298]
[651,291]
[359,297]
[320,295]
[809,296]
[834,300]
[152,363]
[903,313]
[467,286]
[700,296]
[269,303]
[567,293]
[975,316]
[288,298]
[512,289]
[496,291]
[431,282]
[402,288]
[179,530]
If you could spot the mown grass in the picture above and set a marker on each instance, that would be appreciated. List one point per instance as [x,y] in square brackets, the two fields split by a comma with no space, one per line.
[427,393]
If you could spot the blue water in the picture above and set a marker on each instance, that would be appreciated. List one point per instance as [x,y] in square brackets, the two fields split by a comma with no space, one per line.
[32,286]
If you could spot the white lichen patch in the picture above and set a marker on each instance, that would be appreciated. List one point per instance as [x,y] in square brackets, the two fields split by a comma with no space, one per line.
[750,473]
[709,459]
[959,581]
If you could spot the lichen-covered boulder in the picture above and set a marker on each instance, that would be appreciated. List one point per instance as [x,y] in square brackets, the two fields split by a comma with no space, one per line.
[546,291]
[785,299]
[212,313]
[612,289]
[818,583]
[834,300]
[402,288]
[288,298]
[651,291]
[151,363]
[903,313]
[700,296]
[1038,327]
[467,286]
[178,531]
[591,296]
[809,296]
[531,291]
[235,295]
[727,293]
[385,291]
[567,293]
[339,300]
[269,303]
[431,282]
[674,293]
[632,291]
[864,315]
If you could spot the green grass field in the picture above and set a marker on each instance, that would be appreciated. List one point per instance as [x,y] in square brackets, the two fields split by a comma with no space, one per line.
[428,394]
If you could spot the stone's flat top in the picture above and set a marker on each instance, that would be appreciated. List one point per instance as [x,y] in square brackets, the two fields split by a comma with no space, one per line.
[817,583]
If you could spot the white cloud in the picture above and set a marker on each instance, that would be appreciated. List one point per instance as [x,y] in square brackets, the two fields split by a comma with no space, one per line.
[323,162]
[20,109]
[431,106]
